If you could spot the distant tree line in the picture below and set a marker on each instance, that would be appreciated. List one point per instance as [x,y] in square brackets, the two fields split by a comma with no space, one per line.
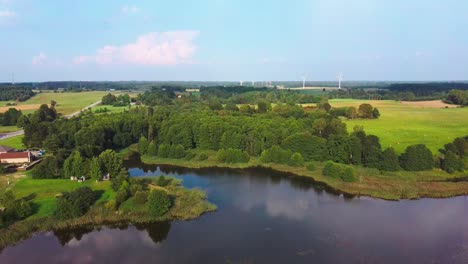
[13,93]
[459,97]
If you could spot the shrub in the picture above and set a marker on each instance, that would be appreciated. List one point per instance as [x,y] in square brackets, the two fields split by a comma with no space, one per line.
[189,155]
[120,197]
[134,188]
[417,158]
[162,181]
[202,156]
[451,163]
[310,166]
[233,156]
[75,204]
[296,160]
[276,154]
[158,202]
[164,151]
[339,171]
[141,197]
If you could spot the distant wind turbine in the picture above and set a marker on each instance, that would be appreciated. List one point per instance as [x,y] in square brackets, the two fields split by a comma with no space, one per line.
[340,79]
[304,77]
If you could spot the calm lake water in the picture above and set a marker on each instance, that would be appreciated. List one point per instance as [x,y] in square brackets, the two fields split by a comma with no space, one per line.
[266,217]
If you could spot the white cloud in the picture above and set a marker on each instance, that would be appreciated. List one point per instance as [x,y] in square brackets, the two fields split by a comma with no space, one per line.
[129,10]
[166,48]
[7,13]
[39,58]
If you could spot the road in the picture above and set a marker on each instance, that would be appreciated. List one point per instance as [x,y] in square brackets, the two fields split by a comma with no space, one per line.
[21,132]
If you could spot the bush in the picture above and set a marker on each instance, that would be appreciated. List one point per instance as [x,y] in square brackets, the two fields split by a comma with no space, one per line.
[141,197]
[339,171]
[189,155]
[417,158]
[202,156]
[233,156]
[158,203]
[451,163]
[310,166]
[134,188]
[75,204]
[164,151]
[162,181]
[276,155]
[120,197]
[296,160]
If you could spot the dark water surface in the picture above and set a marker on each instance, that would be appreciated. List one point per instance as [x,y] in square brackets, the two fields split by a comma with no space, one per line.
[266,217]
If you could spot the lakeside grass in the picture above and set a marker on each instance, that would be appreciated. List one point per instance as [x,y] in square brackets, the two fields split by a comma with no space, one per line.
[371,182]
[402,124]
[187,204]
[15,142]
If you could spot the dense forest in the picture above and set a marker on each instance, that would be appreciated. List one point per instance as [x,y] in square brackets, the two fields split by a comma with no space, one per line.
[15,93]
[182,128]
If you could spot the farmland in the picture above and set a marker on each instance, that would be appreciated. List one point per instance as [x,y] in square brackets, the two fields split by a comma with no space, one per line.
[402,124]
[67,103]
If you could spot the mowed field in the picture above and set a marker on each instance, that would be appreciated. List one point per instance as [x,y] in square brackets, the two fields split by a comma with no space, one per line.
[406,123]
[67,103]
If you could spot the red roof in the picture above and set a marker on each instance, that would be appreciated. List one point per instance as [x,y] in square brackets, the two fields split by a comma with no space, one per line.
[15,155]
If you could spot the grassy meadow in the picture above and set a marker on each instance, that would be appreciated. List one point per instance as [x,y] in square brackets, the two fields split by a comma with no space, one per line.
[67,103]
[13,142]
[406,123]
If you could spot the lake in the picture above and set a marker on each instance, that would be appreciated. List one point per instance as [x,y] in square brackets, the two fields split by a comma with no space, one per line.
[267,217]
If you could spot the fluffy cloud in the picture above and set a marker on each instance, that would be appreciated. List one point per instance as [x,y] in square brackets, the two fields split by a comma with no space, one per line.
[129,9]
[39,58]
[7,13]
[167,48]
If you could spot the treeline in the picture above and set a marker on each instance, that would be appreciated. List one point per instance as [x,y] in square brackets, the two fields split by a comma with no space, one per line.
[12,117]
[459,97]
[12,93]
[120,100]
[402,92]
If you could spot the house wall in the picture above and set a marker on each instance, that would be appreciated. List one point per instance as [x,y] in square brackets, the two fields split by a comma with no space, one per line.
[17,160]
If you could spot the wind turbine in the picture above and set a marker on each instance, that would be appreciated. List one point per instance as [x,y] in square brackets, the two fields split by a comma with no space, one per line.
[304,77]
[253,83]
[340,79]
[241,83]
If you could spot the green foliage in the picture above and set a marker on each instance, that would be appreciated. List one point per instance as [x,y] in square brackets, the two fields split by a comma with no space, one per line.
[232,107]
[143,145]
[202,156]
[459,97]
[116,182]
[339,171]
[95,171]
[451,162]
[75,204]
[232,156]
[74,165]
[49,168]
[110,162]
[375,113]
[152,149]
[178,152]
[276,155]
[365,111]
[141,197]
[162,181]
[164,150]
[351,113]
[158,203]
[309,146]
[310,166]
[389,160]
[296,160]
[10,117]
[417,158]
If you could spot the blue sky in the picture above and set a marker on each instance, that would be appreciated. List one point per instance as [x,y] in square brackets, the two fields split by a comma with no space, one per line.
[233,40]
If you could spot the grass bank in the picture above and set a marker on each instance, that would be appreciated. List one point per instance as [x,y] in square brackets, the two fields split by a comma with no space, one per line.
[371,182]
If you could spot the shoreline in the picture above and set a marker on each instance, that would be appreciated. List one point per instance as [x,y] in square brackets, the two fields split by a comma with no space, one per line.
[392,186]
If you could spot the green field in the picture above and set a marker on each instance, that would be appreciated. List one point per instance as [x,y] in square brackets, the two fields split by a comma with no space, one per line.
[7,129]
[67,103]
[404,124]
[13,142]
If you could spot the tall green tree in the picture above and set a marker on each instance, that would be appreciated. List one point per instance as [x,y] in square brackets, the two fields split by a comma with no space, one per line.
[417,158]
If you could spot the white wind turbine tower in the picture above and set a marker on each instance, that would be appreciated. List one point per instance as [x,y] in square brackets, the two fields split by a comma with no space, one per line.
[340,79]
[303,81]
[241,83]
